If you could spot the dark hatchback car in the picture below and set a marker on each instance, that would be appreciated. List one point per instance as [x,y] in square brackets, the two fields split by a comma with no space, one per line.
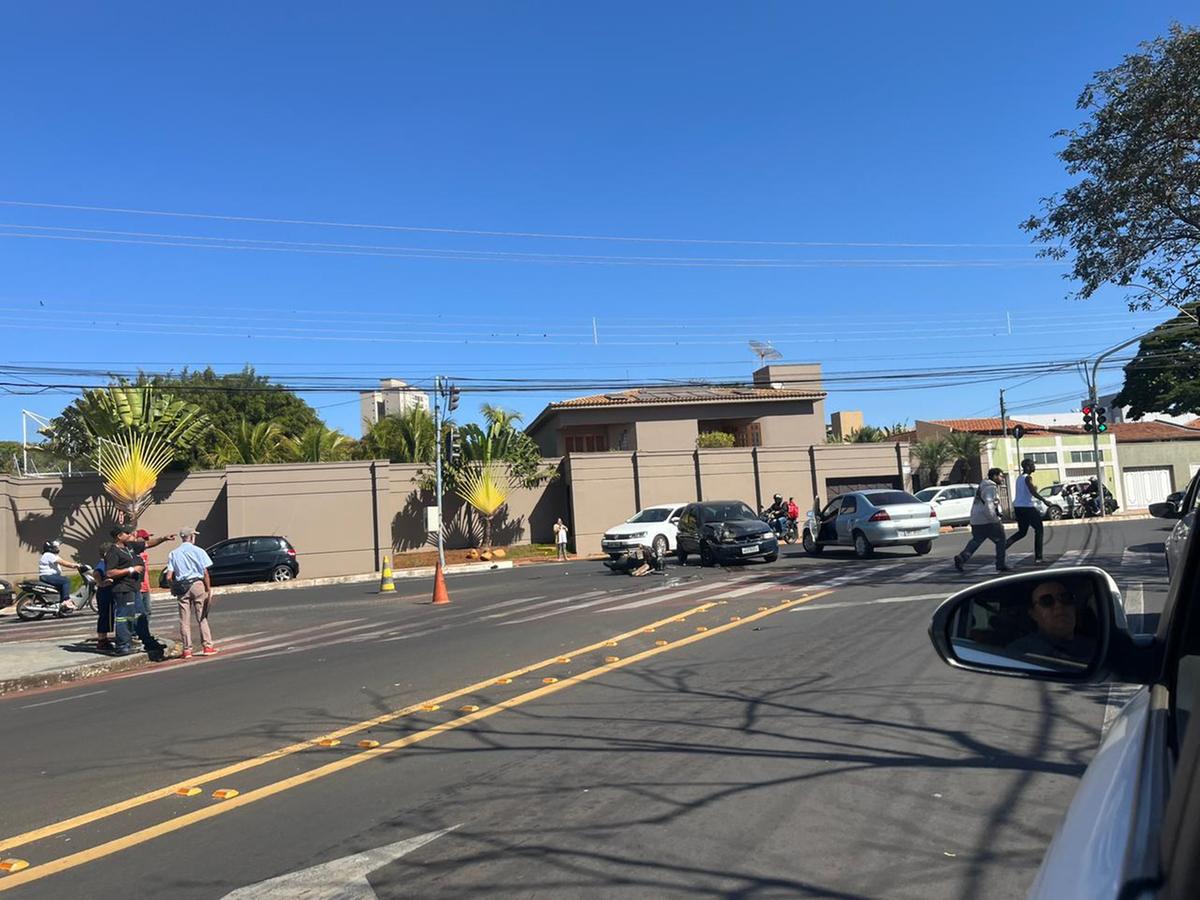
[724,531]
[259,558]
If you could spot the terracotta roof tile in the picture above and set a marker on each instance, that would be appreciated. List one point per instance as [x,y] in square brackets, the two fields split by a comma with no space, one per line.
[687,394]
[1134,432]
[996,426]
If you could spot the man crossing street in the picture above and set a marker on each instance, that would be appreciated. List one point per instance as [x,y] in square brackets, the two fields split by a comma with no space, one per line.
[187,568]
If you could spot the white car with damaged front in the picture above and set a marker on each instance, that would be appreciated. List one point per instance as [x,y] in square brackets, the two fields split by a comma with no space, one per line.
[654,526]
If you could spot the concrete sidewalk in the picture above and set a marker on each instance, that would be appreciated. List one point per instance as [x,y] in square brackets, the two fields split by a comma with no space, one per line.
[34,664]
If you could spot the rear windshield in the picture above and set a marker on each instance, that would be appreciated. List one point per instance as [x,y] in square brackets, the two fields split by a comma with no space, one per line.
[890,498]
[727,512]
[927,494]
[651,515]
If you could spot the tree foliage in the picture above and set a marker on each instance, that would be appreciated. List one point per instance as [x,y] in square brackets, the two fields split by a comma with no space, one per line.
[1164,377]
[1133,217]
[931,455]
[226,400]
[714,440]
[251,445]
[316,444]
[405,437]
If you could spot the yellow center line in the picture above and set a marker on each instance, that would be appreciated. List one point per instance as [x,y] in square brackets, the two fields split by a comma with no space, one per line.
[108,848]
[113,809]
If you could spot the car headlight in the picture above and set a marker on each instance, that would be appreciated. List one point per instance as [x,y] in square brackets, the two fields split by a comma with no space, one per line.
[634,534]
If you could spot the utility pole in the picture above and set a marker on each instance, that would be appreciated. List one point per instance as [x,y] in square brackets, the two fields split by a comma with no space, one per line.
[1004,428]
[437,432]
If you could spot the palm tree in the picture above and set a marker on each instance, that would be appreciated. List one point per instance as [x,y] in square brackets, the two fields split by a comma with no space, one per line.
[869,434]
[965,449]
[318,443]
[251,445]
[486,487]
[931,454]
[138,432]
[406,437]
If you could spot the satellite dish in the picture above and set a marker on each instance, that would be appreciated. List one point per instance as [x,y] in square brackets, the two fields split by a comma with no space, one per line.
[764,351]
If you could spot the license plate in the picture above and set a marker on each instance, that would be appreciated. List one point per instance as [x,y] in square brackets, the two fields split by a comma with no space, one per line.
[753,548]
[911,531]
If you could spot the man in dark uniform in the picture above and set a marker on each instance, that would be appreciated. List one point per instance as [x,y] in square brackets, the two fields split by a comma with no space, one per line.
[123,567]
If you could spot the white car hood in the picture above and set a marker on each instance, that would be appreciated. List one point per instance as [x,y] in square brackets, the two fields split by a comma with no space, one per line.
[634,527]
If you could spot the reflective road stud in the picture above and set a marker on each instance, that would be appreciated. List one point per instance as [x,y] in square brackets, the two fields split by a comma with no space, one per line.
[702,628]
[329,742]
[187,791]
[503,681]
[430,707]
[13,865]
[563,659]
[660,643]
[549,680]
[470,707]
[368,745]
[225,794]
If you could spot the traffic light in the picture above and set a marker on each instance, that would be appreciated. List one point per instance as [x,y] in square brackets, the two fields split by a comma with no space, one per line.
[452,405]
[1089,418]
[1101,420]
[453,445]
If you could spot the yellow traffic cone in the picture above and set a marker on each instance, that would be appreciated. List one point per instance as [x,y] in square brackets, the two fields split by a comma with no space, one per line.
[385,583]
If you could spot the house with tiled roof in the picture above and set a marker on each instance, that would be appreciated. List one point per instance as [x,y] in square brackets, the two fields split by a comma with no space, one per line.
[1157,458]
[1062,452]
[783,406]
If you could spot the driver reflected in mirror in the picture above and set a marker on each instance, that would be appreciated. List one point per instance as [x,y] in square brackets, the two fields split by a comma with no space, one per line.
[1043,623]
[1056,613]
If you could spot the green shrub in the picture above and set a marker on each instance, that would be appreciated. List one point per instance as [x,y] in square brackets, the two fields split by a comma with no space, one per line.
[714,440]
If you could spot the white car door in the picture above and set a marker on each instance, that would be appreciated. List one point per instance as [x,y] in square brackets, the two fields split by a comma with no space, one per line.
[671,527]
[964,497]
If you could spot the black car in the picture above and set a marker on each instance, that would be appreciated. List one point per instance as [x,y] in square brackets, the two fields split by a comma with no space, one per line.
[258,558]
[724,531]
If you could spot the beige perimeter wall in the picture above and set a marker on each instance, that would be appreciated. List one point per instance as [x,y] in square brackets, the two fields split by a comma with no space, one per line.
[607,488]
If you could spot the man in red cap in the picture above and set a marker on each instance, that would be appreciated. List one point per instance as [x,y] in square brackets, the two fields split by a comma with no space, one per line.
[143,541]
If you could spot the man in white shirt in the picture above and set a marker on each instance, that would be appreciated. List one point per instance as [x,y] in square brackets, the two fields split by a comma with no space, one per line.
[986,522]
[560,538]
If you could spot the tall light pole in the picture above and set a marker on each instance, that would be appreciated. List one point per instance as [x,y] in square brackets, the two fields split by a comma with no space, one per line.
[437,437]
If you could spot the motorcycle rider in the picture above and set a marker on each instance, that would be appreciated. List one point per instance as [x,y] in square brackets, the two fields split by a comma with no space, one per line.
[777,515]
[50,572]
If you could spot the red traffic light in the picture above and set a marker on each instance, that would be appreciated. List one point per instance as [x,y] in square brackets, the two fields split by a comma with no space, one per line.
[1087,410]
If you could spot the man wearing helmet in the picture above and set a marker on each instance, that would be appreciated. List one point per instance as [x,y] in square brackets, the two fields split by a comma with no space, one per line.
[50,571]
[777,514]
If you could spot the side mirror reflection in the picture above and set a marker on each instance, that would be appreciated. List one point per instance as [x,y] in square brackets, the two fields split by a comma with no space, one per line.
[1054,624]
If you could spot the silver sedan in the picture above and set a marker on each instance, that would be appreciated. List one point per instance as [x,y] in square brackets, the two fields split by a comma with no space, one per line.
[865,520]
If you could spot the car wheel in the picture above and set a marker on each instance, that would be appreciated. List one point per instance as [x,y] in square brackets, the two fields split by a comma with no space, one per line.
[23,612]
[923,547]
[771,557]
[706,556]
[811,547]
[282,573]
[1053,512]
[661,545]
[862,546]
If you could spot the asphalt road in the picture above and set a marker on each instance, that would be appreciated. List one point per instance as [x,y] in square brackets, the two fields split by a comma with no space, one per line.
[793,735]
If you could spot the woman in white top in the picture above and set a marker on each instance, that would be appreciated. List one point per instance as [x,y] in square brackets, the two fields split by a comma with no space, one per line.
[560,538]
[1027,514]
[50,571]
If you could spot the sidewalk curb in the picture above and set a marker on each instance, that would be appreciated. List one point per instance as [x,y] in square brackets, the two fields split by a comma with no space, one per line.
[363,578]
[100,666]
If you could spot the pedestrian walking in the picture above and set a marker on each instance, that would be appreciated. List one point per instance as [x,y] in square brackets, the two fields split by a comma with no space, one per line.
[187,571]
[50,572]
[986,523]
[1026,513]
[560,538]
[124,569]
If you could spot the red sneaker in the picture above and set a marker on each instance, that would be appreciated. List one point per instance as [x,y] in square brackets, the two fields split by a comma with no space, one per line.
[210,651]
[187,654]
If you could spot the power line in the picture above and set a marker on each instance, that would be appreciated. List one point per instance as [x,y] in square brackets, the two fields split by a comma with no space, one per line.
[319,223]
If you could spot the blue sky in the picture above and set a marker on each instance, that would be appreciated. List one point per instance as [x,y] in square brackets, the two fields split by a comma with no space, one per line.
[774,122]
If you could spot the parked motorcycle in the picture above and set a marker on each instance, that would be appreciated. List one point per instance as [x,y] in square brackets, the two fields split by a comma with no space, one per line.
[37,599]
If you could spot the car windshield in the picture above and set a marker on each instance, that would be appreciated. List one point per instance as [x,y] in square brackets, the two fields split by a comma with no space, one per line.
[727,512]
[926,495]
[651,515]
[891,498]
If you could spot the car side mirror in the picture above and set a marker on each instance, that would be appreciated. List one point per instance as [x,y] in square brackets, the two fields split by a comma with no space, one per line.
[674,520]
[1165,510]
[1064,625]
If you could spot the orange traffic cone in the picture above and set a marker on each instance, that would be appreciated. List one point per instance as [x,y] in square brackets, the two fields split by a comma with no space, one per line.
[440,594]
